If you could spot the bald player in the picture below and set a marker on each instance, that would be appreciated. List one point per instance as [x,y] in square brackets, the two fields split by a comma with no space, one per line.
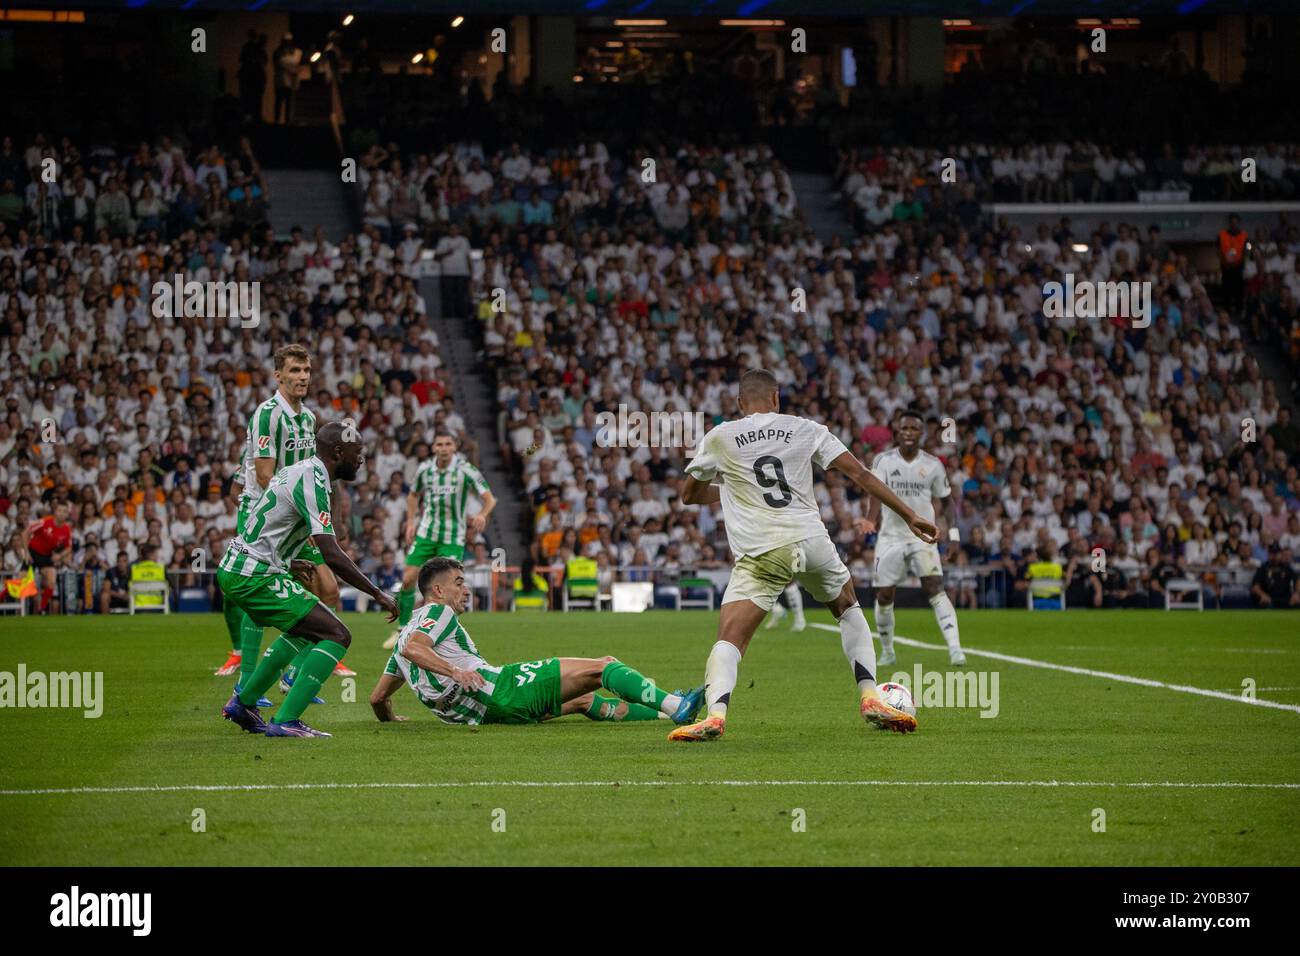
[256,573]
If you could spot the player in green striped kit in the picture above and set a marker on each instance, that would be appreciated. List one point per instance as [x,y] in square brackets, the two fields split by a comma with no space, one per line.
[437,658]
[236,620]
[441,490]
[282,432]
[292,515]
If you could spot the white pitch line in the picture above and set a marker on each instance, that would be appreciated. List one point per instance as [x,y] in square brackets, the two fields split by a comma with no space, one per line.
[1089,672]
[556,784]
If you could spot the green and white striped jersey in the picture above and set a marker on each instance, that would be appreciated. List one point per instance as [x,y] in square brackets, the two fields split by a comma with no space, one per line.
[443,495]
[276,432]
[448,700]
[294,506]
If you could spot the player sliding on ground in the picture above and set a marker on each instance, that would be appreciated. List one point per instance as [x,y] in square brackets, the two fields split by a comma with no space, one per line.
[919,479]
[437,658]
[293,514]
[774,528]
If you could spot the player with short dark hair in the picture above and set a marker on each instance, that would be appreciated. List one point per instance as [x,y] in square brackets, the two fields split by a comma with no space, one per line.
[763,468]
[436,657]
[919,479]
[438,496]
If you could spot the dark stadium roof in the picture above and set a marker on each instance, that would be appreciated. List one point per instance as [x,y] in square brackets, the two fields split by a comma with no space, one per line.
[707,8]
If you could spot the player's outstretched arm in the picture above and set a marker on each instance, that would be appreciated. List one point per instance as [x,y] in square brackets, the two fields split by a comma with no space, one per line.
[412,510]
[848,465]
[342,566]
[872,520]
[948,508]
[479,521]
[419,650]
[696,492]
[381,698]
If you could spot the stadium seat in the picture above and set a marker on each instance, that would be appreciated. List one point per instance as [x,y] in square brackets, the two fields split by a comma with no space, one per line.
[1046,602]
[581,593]
[138,589]
[704,600]
[1190,595]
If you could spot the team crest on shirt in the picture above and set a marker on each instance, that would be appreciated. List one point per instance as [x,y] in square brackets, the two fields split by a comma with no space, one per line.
[428,624]
[324,519]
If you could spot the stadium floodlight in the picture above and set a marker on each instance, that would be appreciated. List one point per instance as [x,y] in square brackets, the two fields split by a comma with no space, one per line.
[347,21]
[417,58]
[457,22]
[315,56]
[640,23]
[752,23]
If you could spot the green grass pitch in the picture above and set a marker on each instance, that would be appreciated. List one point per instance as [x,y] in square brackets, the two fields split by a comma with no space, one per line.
[793,735]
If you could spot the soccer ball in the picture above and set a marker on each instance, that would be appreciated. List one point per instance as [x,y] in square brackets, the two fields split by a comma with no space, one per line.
[898,697]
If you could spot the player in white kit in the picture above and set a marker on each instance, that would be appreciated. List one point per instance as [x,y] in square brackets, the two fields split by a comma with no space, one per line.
[760,468]
[919,479]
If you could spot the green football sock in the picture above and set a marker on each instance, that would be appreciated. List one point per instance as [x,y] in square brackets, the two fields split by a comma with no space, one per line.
[250,641]
[636,688]
[292,670]
[606,708]
[405,606]
[281,652]
[234,616]
[313,672]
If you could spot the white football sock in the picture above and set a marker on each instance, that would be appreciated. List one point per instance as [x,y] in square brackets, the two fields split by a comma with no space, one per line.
[946,615]
[855,639]
[885,625]
[795,600]
[720,677]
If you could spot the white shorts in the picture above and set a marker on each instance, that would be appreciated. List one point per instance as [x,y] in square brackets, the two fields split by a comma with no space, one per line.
[896,561]
[813,562]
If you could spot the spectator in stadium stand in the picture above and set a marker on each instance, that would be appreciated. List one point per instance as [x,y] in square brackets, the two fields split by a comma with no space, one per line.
[452,253]
[288,59]
[115,590]
[1232,261]
[49,547]
[1274,584]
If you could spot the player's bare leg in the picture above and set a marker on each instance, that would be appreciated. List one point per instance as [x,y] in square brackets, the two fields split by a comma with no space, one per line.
[946,615]
[736,626]
[855,639]
[884,615]
[581,676]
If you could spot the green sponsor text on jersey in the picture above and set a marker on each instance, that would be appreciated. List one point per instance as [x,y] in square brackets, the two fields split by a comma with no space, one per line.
[443,496]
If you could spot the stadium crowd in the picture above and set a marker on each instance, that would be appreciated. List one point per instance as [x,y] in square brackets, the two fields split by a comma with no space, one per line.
[588,289]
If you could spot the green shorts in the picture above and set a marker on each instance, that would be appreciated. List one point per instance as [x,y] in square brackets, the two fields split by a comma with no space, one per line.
[270,600]
[525,693]
[309,552]
[422,549]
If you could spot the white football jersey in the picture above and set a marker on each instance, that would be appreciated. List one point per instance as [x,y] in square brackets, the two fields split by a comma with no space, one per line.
[916,482]
[764,464]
